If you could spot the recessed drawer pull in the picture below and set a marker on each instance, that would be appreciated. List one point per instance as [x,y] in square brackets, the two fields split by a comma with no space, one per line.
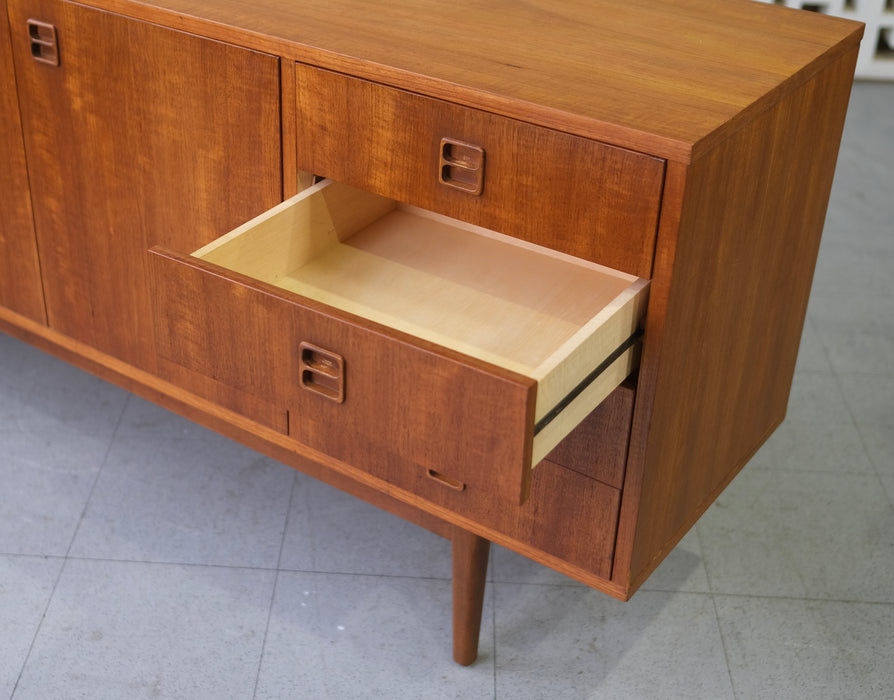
[44,44]
[462,166]
[445,480]
[322,372]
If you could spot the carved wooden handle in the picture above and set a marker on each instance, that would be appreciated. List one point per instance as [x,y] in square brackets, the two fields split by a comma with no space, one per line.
[462,166]
[44,43]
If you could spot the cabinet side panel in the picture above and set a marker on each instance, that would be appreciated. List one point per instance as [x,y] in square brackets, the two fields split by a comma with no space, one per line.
[142,135]
[20,286]
[726,321]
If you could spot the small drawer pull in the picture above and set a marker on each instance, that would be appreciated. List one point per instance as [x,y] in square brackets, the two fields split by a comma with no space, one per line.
[44,44]
[462,166]
[322,372]
[445,480]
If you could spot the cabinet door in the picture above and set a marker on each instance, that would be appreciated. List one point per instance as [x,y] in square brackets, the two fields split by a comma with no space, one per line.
[20,288]
[141,135]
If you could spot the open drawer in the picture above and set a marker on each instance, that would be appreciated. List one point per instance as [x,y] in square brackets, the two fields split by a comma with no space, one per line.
[401,340]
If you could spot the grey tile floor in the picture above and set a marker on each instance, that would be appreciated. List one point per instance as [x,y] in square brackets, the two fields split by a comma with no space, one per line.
[144,557]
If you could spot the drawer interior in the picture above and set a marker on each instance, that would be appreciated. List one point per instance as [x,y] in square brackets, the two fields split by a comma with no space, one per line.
[543,314]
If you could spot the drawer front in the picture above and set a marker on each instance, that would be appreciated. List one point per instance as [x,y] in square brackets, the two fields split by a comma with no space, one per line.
[413,417]
[570,194]
[396,407]
[568,516]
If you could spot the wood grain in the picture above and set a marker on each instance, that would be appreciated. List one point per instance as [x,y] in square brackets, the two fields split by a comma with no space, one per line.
[20,281]
[729,299]
[407,402]
[142,135]
[668,77]
[388,142]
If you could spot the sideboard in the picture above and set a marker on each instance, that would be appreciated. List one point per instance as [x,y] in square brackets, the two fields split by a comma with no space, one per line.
[532,273]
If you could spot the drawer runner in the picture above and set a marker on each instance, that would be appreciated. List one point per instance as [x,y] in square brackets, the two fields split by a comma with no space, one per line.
[553,413]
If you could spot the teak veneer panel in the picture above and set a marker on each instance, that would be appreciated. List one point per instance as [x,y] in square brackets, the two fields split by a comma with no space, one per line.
[411,403]
[728,303]
[20,282]
[668,77]
[142,135]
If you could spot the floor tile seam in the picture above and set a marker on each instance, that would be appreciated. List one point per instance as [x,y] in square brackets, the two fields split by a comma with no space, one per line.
[659,589]
[29,555]
[287,519]
[804,599]
[815,371]
[704,563]
[366,574]
[856,424]
[729,670]
[275,587]
[493,631]
[712,586]
[99,471]
[241,567]
[583,586]
[817,471]
[886,373]
[552,584]
[65,558]
[159,562]
[39,627]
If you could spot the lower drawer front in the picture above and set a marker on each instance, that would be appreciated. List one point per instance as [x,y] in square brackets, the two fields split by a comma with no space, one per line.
[406,407]
[568,516]
[581,197]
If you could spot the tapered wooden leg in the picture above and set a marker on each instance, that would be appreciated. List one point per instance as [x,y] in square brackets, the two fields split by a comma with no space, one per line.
[470,554]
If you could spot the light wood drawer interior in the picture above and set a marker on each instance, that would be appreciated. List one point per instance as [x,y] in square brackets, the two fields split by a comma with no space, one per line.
[544,315]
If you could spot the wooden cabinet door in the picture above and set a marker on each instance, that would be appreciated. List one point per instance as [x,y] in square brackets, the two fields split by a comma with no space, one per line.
[20,288]
[142,135]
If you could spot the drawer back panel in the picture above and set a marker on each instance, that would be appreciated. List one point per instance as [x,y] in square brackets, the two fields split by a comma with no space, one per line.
[571,194]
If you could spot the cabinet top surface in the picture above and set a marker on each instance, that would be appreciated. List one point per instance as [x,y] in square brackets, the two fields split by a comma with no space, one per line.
[661,75]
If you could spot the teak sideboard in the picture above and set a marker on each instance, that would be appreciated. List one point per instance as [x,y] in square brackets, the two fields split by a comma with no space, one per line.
[532,273]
